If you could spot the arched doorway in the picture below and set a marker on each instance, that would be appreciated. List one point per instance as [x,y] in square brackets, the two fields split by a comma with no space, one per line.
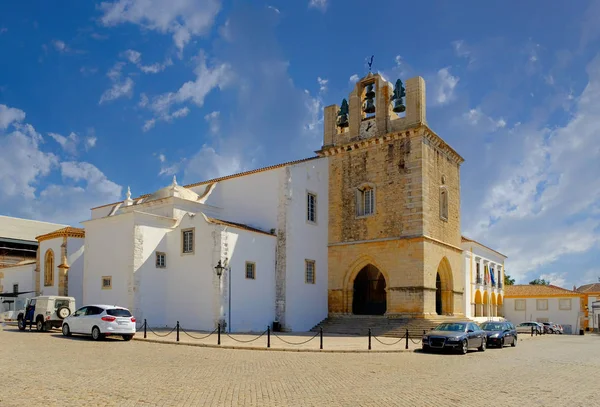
[478,304]
[444,285]
[369,297]
[500,306]
[486,306]
[438,294]
[494,310]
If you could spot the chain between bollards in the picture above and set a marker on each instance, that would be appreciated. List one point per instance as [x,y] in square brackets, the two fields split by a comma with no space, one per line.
[145,325]
[369,338]
[268,337]
[177,331]
[321,335]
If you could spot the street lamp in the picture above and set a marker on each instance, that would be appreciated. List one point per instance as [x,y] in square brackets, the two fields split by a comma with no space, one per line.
[219,269]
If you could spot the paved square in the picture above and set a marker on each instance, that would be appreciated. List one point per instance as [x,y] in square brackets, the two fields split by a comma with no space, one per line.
[47,369]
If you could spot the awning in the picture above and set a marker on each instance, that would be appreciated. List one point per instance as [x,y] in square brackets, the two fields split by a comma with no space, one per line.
[14,295]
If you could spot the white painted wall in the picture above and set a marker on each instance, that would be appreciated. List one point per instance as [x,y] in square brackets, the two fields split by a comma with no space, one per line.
[252,301]
[554,314]
[306,304]
[109,252]
[75,259]
[592,319]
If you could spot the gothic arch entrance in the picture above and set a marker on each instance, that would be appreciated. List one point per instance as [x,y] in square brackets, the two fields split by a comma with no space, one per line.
[444,289]
[369,297]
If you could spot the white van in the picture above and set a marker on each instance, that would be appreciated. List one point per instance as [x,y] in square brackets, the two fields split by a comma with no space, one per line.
[46,312]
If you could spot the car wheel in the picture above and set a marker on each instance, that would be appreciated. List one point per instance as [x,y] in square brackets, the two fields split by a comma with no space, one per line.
[21,324]
[514,342]
[127,337]
[39,325]
[65,330]
[465,347]
[501,343]
[483,345]
[96,334]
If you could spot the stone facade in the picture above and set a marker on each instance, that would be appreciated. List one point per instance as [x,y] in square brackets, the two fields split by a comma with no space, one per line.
[413,233]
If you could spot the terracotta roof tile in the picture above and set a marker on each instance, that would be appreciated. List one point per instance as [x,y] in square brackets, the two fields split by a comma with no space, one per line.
[589,288]
[531,290]
[68,232]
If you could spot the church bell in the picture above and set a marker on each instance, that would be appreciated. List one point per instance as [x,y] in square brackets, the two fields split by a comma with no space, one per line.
[369,105]
[398,106]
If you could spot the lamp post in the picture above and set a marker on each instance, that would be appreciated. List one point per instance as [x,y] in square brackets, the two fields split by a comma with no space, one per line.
[219,269]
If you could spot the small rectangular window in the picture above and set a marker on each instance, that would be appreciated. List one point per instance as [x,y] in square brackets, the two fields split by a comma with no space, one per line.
[519,305]
[188,240]
[161,260]
[365,202]
[311,207]
[564,304]
[309,274]
[443,203]
[15,288]
[542,305]
[250,270]
[106,282]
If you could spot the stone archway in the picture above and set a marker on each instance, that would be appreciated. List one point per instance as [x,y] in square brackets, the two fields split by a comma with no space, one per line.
[500,305]
[478,304]
[444,289]
[494,308]
[486,304]
[369,292]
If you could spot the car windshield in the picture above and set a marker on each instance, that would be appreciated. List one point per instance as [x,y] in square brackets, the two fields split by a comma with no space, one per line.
[118,312]
[451,327]
[492,327]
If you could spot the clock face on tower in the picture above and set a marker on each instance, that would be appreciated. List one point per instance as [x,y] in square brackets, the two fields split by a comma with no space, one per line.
[368,128]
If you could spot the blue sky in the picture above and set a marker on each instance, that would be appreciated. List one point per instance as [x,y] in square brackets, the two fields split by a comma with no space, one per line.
[96,96]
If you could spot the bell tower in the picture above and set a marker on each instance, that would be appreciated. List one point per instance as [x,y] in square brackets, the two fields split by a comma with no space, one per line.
[394,204]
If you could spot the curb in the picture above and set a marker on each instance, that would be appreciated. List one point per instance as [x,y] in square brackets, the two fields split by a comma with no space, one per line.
[206,345]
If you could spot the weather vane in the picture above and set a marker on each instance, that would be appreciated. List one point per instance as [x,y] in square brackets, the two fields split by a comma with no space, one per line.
[371,62]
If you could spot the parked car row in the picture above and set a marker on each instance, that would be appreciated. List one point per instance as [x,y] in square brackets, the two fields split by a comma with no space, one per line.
[462,336]
[540,327]
[98,321]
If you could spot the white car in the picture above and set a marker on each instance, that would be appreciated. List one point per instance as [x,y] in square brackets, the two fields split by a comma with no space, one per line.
[100,321]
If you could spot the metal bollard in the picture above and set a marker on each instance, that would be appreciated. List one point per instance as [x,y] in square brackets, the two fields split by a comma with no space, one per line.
[406,347]
[145,325]
[369,338]
[218,334]
[177,331]
[268,337]
[532,331]
[321,335]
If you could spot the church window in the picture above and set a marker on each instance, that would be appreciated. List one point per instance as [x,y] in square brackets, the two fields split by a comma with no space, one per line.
[250,270]
[49,268]
[309,273]
[365,201]
[311,207]
[188,240]
[106,282]
[161,260]
[444,203]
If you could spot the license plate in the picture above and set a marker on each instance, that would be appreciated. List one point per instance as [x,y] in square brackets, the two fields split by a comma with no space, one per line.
[122,322]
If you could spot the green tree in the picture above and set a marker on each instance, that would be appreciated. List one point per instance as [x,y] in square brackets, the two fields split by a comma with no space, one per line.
[539,281]
[508,280]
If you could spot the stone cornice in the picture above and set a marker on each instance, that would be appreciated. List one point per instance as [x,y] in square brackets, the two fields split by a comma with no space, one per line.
[327,151]
[64,233]
[439,144]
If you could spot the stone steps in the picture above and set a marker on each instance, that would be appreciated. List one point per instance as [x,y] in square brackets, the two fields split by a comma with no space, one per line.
[380,325]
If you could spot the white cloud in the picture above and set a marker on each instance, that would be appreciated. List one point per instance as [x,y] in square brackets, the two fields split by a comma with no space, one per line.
[318,4]
[63,48]
[462,50]
[68,144]
[194,91]
[182,18]
[135,58]
[322,84]
[213,121]
[9,115]
[149,124]
[445,86]
[275,9]
[207,164]
[120,88]
[87,71]
[558,279]
[90,142]
[24,168]
[541,206]
[354,78]
[475,117]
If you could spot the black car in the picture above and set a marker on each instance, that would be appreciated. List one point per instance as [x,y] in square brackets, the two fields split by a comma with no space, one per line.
[458,336]
[500,333]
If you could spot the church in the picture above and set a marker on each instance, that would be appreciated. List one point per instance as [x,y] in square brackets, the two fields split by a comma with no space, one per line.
[368,226]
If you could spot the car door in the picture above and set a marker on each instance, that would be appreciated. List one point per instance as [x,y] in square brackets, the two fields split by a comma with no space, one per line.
[91,319]
[477,334]
[75,322]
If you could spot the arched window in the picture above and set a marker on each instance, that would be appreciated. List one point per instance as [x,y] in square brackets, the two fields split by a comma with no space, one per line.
[443,203]
[49,268]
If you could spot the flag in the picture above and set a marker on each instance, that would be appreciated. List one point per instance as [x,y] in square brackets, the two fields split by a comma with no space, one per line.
[492,276]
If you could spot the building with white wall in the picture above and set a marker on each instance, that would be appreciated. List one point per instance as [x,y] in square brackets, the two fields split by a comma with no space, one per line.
[591,296]
[157,254]
[544,303]
[484,280]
